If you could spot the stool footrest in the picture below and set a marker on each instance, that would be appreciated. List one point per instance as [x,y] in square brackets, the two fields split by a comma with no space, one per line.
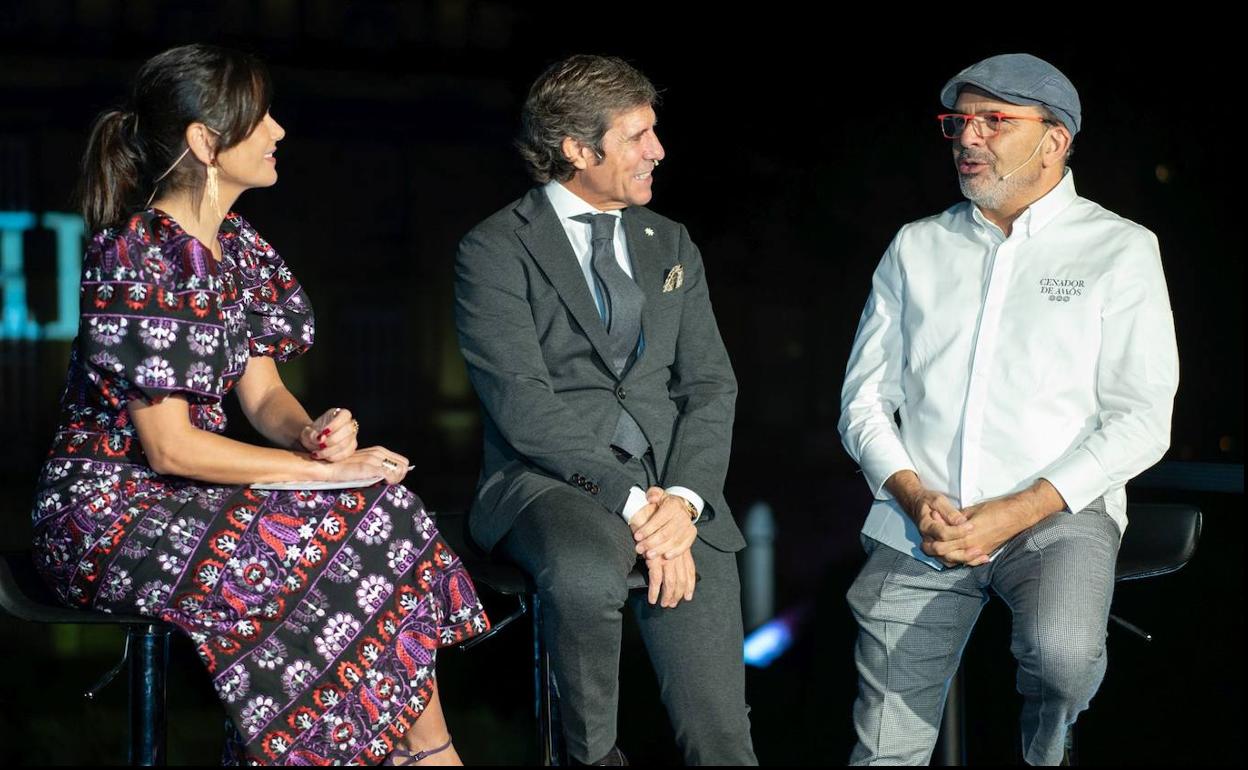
[1132,628]
[111,674]
[521,608]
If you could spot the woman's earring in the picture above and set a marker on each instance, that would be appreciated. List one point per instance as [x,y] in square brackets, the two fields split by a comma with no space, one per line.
[212,191]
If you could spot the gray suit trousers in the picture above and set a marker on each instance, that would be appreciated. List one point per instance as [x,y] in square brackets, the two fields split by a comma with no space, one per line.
[1057,579]
[580,556]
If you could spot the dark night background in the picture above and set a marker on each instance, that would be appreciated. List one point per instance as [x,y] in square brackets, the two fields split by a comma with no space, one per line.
[798,142]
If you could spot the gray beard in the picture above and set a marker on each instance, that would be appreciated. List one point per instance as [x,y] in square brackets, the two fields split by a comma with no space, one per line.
[992,195]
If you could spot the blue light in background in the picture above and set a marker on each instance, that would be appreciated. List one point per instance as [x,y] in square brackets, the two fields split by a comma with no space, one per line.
[768,642]
[16,320]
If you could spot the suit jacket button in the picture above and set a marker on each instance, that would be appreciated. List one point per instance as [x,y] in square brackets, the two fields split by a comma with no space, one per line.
[593,489]
[620,393]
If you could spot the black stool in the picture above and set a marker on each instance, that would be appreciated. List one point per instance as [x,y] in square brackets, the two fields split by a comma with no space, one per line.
[1161,538]
[23,595]
[510,580]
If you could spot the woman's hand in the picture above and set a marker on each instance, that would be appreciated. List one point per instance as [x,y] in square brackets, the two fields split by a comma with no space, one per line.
[332,436]
[366,463]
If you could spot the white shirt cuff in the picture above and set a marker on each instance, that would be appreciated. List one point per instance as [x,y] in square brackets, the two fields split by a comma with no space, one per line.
[881,466]
[636,499]
[1079,479]
[691,496]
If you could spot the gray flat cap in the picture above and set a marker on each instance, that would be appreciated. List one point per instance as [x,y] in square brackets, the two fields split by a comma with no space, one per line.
[1020,78]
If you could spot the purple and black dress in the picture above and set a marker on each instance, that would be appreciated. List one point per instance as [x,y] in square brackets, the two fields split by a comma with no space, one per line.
[317,613]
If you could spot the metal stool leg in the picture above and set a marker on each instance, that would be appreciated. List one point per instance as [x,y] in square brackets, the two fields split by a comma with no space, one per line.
[558,747]
[149,650]
[546,697]
[951,745]
[541,707]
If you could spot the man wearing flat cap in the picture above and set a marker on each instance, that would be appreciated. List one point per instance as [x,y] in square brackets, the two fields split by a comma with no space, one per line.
[1025,339]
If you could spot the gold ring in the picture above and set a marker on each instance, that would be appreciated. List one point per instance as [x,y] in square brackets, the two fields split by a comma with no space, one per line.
[390,464]
[356,425]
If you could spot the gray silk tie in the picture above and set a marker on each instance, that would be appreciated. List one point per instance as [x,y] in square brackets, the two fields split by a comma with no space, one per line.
[621,294]
[623,299]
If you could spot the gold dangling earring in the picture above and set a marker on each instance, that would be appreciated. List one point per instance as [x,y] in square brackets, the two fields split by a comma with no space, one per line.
[212,191]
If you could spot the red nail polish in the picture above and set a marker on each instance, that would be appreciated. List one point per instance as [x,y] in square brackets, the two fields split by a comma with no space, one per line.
[323,445]
[325,432]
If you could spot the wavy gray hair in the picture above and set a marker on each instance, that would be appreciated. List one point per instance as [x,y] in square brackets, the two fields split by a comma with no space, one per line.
[577,97]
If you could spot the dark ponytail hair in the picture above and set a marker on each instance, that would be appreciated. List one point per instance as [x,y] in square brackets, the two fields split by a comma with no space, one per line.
[131,148]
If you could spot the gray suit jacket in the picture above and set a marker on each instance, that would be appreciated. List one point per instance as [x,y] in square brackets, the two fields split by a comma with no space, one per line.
[537,355]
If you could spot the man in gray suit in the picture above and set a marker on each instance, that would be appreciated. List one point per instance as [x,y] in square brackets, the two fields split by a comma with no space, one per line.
[586,323]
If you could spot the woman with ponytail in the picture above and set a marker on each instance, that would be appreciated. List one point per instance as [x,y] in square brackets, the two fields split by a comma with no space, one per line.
[317,610]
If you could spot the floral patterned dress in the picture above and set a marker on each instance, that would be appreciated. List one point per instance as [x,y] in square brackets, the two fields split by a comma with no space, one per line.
[317,614]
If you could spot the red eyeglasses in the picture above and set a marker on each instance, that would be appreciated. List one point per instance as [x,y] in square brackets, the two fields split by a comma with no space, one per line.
[986,124]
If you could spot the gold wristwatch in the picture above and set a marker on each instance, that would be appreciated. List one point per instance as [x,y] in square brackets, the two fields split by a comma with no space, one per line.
[690,508]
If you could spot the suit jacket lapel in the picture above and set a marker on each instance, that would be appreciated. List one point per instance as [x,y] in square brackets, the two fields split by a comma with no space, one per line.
[647,269]
[543,235]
